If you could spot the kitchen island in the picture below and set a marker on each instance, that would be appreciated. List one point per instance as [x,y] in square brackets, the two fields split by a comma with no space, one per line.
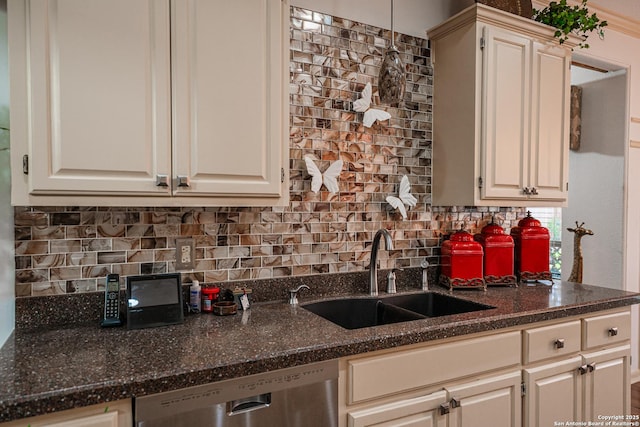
[43,371]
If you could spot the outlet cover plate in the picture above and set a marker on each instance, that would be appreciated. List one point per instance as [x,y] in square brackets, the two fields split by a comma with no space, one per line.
[185,254]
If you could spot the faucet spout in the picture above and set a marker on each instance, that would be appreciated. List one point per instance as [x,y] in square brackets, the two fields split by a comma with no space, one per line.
[373,265]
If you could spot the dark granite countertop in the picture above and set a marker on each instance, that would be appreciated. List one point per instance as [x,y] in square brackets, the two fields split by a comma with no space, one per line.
[49,370]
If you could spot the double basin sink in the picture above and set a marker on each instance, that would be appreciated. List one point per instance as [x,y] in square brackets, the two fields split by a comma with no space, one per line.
[355,313]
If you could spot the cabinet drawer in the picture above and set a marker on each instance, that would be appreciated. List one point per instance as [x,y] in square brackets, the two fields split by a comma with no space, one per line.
[391,373]
[551,341]
[606,329]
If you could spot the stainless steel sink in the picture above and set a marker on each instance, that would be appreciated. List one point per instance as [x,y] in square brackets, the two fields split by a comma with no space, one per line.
[355,313]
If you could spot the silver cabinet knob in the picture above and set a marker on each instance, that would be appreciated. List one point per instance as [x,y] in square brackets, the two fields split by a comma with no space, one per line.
[162,180]
[183,181]
[613,332]
[454,402]
[559,343]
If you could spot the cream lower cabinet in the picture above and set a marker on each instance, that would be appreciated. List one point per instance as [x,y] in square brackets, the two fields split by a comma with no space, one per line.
[486,402]
[577,370]
[419,411]
[494,401]
[607,390]
[435,385]
[147,103]
[501,111]
[112,414]
[553,393]
[579,389]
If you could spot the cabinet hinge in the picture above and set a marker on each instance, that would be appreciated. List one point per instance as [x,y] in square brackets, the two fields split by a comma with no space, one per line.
[25,164]
[481,42]
[281,174]
[567,186]
[480,182]
[523,389]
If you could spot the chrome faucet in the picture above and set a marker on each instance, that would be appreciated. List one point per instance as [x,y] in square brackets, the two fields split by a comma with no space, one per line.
[293,294]
[373,265]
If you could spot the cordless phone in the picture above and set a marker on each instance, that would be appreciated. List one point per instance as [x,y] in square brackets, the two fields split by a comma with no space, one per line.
[112,302]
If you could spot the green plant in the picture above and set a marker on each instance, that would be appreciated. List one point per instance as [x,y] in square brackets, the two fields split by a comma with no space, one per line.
[570,19]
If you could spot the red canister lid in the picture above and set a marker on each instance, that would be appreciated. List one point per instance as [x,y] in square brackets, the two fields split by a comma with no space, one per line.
[461,236]
[491,229]
[529,221]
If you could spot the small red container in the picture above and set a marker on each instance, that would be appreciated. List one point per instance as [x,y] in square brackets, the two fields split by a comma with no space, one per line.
[531,249]
[209,297]
[498,255]
[461,259]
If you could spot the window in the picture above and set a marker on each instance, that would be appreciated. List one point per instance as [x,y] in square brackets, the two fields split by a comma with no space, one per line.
[551,218]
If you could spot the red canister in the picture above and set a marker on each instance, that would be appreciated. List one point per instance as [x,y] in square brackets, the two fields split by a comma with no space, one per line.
[209,296]
[531,249]
[498,255]
[461,259]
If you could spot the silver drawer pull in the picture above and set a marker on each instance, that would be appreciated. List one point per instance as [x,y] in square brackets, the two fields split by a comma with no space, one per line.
[559,343]
[613,332]
[444,409]
[591,366]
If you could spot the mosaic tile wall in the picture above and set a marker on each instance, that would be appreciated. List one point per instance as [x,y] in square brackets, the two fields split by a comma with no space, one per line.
[67,250]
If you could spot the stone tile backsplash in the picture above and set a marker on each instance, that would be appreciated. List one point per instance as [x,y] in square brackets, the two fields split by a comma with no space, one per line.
[72,249]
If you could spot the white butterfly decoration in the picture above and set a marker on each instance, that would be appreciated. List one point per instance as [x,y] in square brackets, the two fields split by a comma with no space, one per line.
[370,114]
[329,178]
[404,197]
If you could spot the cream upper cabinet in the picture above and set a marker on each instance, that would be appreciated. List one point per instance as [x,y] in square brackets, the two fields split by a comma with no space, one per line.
[501,111]
[94,104]
[149,102]
[228,100]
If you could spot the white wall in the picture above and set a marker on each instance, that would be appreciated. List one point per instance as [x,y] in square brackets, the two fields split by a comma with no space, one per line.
[596,181]
[624,50]
[7,265]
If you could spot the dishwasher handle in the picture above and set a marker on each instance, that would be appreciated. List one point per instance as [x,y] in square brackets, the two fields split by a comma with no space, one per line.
[248,404]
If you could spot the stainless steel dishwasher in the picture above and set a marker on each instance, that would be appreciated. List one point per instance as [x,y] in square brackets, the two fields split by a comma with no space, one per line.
[302,396]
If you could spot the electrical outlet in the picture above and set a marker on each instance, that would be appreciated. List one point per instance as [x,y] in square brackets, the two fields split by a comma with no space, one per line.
[185,254]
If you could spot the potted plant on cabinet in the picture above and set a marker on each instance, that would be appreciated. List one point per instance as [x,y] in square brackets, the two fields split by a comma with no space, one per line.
[570,19]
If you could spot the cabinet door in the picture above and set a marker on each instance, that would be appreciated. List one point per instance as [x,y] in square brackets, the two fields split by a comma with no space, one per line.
[421,411]
[99,88]
[550,97]
[553,393]
[505,133]
[111,414]
[607,384]
[109,419]
[490,402]
[228,103]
